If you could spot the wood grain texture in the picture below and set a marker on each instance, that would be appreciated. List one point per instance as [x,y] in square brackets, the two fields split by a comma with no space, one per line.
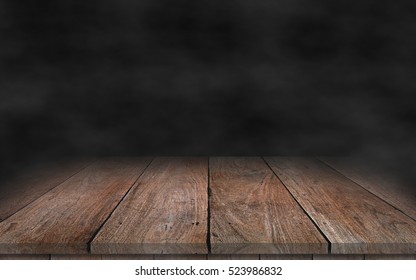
[253,213]
[354,220]
[382,183]
[32,183]
[165,213]
[65,219]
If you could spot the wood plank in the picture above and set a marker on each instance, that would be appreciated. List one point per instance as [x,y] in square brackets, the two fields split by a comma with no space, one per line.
[165,213]
[286,257]
[64,220]
[354,220]
[34,182]
[253,213]
[382,183]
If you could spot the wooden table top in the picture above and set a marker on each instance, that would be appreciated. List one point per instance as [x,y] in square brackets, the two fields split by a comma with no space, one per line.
[201,205]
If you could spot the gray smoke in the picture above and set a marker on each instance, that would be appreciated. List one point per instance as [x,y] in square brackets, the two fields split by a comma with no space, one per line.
[207,77]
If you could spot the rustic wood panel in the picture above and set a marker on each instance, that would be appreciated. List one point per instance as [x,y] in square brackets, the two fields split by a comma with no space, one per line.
[339,257]
[385,185]
[32,183]
[354,220]
[66,218]
[286,257]
[165,213]
[253,213]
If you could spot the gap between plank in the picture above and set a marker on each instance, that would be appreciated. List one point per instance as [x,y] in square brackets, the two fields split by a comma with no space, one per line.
[306,213]
[343,175]
[111,213]
[57,185]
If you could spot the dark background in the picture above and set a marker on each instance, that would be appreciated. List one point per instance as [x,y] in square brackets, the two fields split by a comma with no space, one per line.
[207,77]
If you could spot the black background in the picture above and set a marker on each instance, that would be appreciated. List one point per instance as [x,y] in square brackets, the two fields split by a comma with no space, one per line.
[207,77]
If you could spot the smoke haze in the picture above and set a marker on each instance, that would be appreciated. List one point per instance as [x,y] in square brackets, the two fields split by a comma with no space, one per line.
[131,78]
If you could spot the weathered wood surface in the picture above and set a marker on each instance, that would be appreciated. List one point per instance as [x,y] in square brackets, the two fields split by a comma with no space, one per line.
[166,212]
[32,183]
[253,213]
[66,218]
[386,185]
[354,220]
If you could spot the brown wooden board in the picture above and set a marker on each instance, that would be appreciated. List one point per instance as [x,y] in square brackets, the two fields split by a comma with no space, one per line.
[32,183]
[253,213]
[354,220]
[386,185]
[66,218]
[165,213]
